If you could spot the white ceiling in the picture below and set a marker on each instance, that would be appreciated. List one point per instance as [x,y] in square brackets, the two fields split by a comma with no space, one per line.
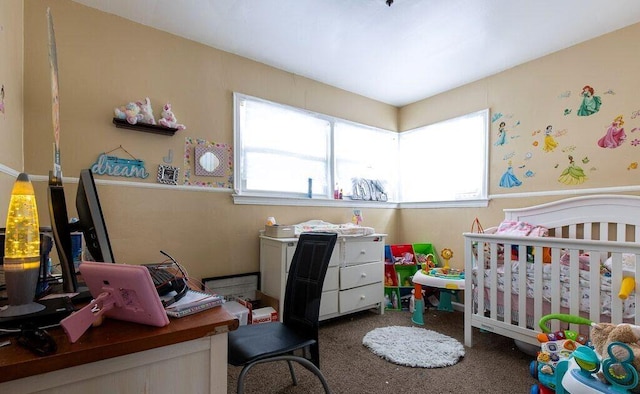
[395,54]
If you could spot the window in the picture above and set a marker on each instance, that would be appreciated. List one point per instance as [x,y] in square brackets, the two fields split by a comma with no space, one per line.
[365,154]
[279,148]
[446,161]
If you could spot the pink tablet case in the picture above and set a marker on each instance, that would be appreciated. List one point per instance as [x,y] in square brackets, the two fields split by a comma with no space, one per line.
[120,291]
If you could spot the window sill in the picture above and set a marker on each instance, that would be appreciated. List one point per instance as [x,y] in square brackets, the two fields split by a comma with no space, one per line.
[322,202]
[309,202]
[445,204]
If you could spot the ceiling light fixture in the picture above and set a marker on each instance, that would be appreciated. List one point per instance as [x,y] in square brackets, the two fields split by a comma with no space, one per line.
[389,2]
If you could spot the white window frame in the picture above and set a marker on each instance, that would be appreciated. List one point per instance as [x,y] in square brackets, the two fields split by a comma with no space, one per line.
[438,151]
[244,196]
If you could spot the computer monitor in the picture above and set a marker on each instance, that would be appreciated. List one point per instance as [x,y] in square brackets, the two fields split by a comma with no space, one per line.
[91,221]
[91,224]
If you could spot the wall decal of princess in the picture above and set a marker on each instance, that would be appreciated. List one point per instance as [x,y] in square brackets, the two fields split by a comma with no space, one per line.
[615,135]
[549,142]
[590,103]
[502,135]
[2,99]
[572,175]
[509,179]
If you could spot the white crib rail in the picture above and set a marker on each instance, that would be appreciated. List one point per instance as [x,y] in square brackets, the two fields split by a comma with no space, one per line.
[496,315]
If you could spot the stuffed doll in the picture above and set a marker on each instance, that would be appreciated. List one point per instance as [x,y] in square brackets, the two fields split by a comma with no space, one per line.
[130,113]
[168,119]
[147,111]
[602,334]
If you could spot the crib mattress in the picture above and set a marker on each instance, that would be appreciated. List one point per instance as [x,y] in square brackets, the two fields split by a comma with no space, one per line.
[605,287]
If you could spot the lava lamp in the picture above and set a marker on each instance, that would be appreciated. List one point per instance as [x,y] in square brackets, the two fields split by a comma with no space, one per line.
[22,250]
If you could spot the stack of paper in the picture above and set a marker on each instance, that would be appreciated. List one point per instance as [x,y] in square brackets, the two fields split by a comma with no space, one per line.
[193,302]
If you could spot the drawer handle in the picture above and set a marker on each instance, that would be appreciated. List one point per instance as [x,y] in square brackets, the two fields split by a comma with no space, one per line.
[362,297]
[363,251]
[364,275]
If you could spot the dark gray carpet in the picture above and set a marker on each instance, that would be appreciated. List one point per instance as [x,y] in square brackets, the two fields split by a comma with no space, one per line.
[492,365]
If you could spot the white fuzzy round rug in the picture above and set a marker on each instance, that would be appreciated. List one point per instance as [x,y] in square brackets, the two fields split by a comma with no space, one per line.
[414,347]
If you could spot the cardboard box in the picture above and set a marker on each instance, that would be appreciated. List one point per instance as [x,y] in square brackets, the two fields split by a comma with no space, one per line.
[238,310]
[264,315]
[260,305]
[232,287]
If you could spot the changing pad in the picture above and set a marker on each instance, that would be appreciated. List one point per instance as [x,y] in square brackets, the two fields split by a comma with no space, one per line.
[346,229]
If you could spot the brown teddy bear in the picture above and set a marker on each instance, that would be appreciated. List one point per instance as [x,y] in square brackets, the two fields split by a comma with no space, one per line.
[602,334]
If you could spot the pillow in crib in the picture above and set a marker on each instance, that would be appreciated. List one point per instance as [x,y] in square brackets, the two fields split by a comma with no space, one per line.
[523,229]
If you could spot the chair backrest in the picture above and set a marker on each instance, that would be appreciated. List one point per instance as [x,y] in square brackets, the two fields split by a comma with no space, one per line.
[304,282]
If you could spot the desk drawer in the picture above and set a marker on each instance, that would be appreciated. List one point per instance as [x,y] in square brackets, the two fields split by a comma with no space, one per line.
[331,279]
[358,252]
[361,297]
[360,275]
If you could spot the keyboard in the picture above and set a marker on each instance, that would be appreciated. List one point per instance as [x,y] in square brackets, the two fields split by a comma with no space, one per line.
[160,276]
[164,280]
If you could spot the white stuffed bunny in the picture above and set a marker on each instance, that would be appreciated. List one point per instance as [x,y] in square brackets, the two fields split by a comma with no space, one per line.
[168,119]
[146,111]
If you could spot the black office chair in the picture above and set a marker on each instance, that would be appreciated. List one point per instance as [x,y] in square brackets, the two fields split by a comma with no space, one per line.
[255,344]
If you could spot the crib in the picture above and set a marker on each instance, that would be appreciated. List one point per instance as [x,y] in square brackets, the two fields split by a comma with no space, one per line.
[578,268]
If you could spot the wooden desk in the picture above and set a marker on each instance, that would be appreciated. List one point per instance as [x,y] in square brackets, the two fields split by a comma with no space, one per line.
[189,355]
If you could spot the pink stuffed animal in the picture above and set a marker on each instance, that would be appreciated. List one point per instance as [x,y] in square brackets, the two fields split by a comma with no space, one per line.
[169,119]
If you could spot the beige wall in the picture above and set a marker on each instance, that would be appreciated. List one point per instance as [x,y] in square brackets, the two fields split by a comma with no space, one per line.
[11,76]
[530,97]
[106,61]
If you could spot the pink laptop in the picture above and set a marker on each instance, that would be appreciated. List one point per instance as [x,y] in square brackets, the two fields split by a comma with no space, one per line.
[120,291]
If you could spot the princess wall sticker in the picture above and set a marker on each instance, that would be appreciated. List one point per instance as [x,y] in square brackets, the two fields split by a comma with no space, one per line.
[550,144]
[615,135]
[590,103]
[572,175]
[509,179]
[502,135]
[2,99]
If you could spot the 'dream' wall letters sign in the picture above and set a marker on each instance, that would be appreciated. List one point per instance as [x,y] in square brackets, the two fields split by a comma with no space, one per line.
[115,166]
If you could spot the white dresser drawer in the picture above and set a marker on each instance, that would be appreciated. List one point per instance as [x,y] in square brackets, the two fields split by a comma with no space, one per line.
[331,279]
[329,303]
[335,256]
[360,275]
[360,297]
[356,262]
[359,252]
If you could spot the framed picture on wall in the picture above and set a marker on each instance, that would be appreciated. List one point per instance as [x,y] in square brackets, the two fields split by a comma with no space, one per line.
[168,174]
[210,160]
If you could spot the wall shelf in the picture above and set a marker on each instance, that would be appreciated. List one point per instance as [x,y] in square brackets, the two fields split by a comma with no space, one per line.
[147,128]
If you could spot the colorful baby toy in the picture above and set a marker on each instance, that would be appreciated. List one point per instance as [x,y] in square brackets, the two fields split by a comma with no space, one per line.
[556,348]
[570,363]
